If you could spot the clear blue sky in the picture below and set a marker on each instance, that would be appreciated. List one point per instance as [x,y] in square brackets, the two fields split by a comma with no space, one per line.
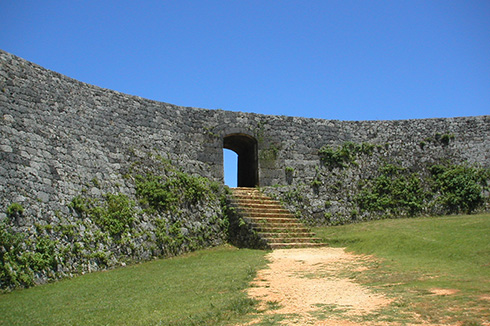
[331,59]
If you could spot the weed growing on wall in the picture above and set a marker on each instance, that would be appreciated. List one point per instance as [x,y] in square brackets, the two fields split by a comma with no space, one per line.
[395,191]
[459,188]
[170,236]
[268,156]
[439,138]
[22,258]
[344,155]
[446,189]
[114,214]
[14,210]
[289,172]
[165,194]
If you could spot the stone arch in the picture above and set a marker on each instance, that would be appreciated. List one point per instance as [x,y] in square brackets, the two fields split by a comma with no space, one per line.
[246,148]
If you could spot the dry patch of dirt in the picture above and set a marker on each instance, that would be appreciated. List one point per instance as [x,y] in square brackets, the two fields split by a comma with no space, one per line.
[485,297]
[444,291]
[311,287]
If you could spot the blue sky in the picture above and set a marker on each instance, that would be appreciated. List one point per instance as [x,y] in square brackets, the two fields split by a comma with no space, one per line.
[330,59]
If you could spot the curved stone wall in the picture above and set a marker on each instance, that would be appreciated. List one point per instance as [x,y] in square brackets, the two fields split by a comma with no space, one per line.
[58,134]
[61,137]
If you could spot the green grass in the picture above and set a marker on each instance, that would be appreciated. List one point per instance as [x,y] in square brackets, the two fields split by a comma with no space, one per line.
[414,256]
[201,288]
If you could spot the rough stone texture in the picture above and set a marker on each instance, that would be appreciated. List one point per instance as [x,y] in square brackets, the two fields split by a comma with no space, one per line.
[57,134]
[61,137]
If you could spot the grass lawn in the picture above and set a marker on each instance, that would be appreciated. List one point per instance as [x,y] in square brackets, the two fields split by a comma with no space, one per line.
[437,268]
[201,288]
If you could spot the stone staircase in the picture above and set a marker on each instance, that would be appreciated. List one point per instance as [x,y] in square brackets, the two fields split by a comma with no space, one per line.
[273,223]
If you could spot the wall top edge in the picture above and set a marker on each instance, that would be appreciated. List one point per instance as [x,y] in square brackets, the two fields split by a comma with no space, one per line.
[6,56]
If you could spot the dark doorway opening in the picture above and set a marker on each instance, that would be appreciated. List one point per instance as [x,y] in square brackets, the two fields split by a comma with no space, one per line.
[246,148]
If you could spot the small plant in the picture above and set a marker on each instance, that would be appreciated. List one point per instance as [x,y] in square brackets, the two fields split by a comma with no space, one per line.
[15,210]
[79,204]
[445,139]
[316,183]
[152,191]
[354,213]
[439,138]
[345,154]
[95,182]
[294,196]
[289,174]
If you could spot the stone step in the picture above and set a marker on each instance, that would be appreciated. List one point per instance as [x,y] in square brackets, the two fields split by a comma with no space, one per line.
[296,245]
[245,194]
[292,240]
[266,215]
[251,201]
[271,219]
[275,229]
[257,204]
[245,189]
[286,234]
[278,227]
[256,207]
[290,225]
[270,210]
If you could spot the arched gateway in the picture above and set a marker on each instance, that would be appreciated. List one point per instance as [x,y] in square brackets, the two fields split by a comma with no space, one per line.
[246,148]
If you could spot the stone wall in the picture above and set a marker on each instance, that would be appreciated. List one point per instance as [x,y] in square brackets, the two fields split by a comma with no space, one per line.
[293,171]
[65,144]
[61,138]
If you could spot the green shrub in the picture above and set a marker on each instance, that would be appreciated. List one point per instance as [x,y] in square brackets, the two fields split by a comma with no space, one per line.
[316,183]
[20,261]
[161,194]
[115,214]
[333,158]
[294,196]
[79,204]
[169,236]
[444,189]
[153,192]
[344,155]
[11,274]
[445,138]
[14,210]
[460,187]
[395,190]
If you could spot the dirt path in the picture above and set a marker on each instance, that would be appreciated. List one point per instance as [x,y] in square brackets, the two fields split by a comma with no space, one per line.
[311,287]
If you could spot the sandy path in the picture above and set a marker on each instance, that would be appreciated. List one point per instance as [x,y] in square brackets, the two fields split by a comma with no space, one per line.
[306,285]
